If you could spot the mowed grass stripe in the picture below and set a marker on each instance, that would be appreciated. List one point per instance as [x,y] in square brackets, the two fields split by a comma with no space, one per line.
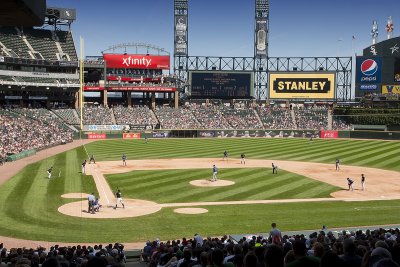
[316,191]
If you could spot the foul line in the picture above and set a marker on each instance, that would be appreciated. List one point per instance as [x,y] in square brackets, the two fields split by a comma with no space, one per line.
[101,185]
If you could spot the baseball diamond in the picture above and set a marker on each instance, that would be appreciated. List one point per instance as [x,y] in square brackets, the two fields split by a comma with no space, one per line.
[160,172]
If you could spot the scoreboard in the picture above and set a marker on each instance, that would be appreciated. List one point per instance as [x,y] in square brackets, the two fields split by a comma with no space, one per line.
[221,84]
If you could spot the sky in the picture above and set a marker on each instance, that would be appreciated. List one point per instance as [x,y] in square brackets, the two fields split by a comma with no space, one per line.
[308,28]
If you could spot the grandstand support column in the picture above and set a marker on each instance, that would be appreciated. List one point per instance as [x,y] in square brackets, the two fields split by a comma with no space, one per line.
[105,97]
[176,99]
[129,98]
[153,101]
[77,100]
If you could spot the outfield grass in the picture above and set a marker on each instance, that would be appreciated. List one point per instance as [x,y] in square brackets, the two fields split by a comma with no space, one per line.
[29,201]
[369,153]
[172,186]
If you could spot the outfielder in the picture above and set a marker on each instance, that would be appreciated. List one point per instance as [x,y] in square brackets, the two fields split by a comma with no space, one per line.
[92,159]
[119,199]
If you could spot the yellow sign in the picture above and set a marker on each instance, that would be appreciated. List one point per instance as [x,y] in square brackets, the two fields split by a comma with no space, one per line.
[302,85]
[393,89]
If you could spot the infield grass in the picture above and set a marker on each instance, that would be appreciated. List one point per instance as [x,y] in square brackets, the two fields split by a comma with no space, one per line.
[29,201]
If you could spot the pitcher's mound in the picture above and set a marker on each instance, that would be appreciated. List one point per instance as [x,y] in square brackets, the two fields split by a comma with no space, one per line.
[191,210]
[208,183]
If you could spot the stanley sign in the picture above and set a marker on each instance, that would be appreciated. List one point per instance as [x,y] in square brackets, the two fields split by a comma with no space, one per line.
[302,85]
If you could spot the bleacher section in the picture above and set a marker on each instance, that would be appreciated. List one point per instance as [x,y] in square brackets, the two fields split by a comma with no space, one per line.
[210,117]
[243,118]
[67,43]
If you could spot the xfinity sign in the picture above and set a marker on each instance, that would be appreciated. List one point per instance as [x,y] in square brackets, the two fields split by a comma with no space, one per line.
[128,61]
[131,61]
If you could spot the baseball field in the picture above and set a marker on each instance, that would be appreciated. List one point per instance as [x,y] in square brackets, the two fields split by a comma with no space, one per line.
[161,175]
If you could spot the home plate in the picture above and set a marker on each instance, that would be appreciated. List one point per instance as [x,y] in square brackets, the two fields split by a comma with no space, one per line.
[208,183]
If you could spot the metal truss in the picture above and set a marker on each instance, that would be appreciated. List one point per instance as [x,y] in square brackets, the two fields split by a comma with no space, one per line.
[342,66]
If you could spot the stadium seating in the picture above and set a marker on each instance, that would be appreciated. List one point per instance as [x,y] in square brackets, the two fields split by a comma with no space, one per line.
[241,118]
[96,115]
[26,129]
[310,119]
[13,40]
[69,116]
[181,118]
[275,118]
[210,117]
[138,115]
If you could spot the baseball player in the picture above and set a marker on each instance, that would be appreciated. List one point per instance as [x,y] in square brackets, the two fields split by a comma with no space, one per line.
[242,159]
[350,184]
[123,160]
[49,172]
[91,200]
[225,155]
[214,173]
[274,168]
[362,182]
[83,166]
[92,159]
[337,163]
[145,139]
[119,199]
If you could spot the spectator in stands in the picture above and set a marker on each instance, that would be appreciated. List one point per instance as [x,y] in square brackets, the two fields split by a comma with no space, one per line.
[300,254]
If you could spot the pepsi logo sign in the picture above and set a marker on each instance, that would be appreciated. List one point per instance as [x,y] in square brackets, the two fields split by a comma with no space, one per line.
[369,67]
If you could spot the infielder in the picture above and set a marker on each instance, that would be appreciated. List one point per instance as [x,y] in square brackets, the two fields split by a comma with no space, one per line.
[123,160]
[274,168]
[214,173]
[362,182]
[49,172]
[337,165]
[83,166]
[119,199]
[350,184]
[242,159]
[225,155]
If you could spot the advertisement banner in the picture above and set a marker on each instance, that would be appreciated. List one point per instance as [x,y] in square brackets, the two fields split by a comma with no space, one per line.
[97,136]
[206,134]
[129,61]
[261,37]
[329,134]
[160,134]
[391,89]
[368,87]
[181,35]
[306,85]
[131,88]
[131,136]
[369,70]
[103,127]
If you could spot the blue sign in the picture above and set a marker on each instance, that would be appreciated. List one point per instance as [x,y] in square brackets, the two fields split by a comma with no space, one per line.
[368,86]
[369,70]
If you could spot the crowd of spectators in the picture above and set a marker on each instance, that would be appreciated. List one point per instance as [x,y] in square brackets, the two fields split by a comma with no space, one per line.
[370,248]
[68,115]
[210,116]
[136,115]
[72,256]
[171,118]
[241,118]
[97,115]
[276,118]
[21,132]
[314,119]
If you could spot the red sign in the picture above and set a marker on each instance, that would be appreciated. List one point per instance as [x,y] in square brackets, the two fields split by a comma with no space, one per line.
[131,135]
[129,79]
[97,136]
[329,134]
[122,61]
[132,88]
